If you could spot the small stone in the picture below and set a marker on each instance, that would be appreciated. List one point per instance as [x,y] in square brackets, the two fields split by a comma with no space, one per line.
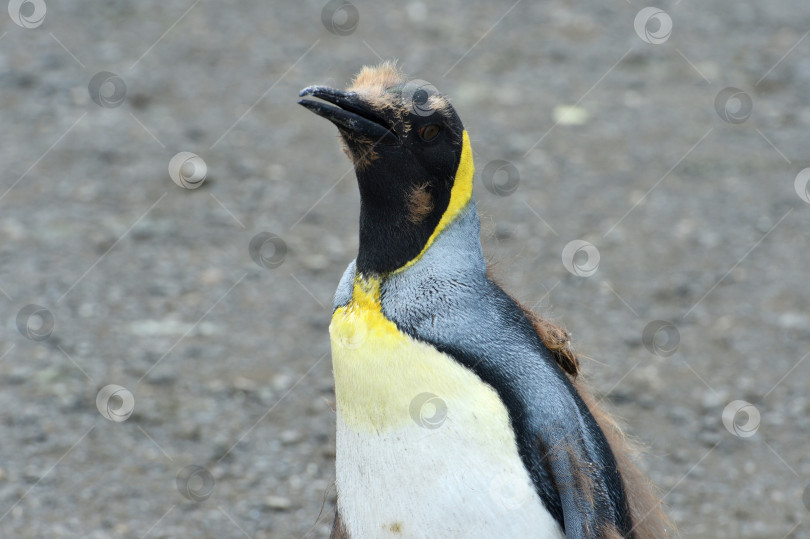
[289,437]
[275,172]
[161,379]
[103,242]
[86,310]
[31,474]
[764,224]
[569,115]
[211,276]
[188,432]
[296,482]
[646,401]
[281,382]
[504,231]
[13,229]
[794,320]
[267,395]
[709,438]
[315,262]
[79,96]
[680,455]
[712,400]
[278,503]
[709,69]
[244,384]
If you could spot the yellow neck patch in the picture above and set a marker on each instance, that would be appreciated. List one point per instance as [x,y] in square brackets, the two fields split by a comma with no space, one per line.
[460,194]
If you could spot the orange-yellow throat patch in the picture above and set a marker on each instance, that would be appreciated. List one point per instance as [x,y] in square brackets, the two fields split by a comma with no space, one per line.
[380,373]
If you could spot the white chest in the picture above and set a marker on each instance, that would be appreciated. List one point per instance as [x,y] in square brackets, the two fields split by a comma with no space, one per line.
[418,482]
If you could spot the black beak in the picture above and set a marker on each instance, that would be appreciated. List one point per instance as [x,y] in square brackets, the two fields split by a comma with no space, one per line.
[351,115]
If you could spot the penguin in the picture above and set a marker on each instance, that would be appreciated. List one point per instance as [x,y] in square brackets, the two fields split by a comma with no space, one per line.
[459,413]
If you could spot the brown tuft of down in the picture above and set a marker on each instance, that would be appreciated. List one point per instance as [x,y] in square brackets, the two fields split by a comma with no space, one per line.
[363,154]
[420,203]
[338,530]
[373,81]
[557,340]
[439,103]
[610,532]
[646,509]
[376,79]
[582,470]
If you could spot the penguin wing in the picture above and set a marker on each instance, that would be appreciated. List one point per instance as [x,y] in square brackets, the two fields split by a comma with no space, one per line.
[566,453]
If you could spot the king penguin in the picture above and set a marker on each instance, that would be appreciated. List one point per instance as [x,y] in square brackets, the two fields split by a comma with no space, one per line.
[459,413]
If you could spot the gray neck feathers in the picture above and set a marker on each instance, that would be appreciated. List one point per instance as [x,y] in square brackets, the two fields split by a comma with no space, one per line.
[454,259]
[456,250]
[449,276]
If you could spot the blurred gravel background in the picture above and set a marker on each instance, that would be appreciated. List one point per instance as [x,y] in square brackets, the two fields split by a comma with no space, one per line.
[700,221]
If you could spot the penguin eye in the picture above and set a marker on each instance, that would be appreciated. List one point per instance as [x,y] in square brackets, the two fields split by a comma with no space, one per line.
[429,132]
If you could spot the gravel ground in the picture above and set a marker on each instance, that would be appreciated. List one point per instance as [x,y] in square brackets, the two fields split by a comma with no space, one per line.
[220,419]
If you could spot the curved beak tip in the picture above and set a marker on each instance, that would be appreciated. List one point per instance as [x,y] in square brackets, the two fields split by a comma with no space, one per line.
[309,90]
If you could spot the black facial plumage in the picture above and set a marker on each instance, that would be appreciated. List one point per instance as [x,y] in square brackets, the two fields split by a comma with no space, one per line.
[405,140]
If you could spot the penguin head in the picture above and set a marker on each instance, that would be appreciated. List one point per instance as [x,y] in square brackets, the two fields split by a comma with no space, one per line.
[407,144]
